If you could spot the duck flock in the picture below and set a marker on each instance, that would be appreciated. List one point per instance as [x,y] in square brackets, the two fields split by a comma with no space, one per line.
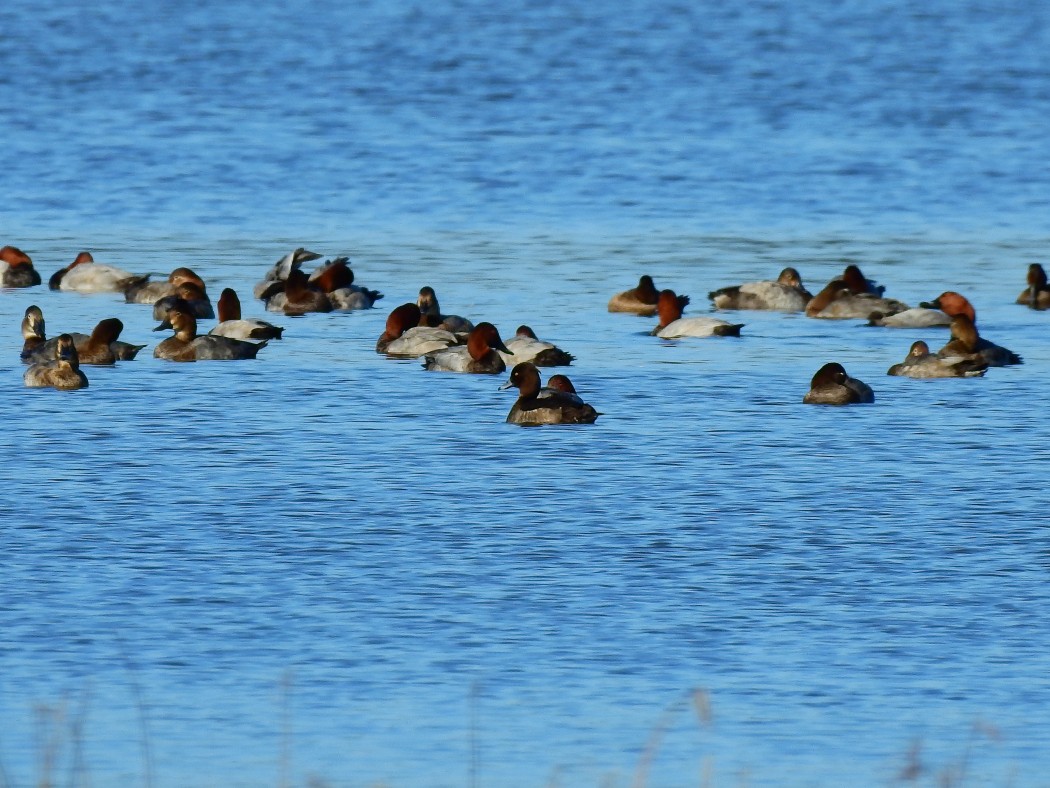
[453,343]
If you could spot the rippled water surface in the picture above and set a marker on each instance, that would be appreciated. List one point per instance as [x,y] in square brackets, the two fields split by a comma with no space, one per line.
[329,565]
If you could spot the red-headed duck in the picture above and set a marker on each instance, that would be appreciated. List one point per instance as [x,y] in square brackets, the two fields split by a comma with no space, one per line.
[641,300]
[336,279]
[84,275]
[928,314]
[100,347]
[480,354]
[544,406]
[143,291]
[837,302]
[431,314]
[233,326]
[966,343]
[16,268]
[921,363]
[299,296]
[187,346]
[187,295]
[832,386]
[274,280]
[525,346]
[62,372]
[672,324]
[405,338]
[786,294]
[1037,294]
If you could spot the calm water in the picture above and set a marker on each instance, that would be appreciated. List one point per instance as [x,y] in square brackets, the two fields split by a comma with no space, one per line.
[331,566]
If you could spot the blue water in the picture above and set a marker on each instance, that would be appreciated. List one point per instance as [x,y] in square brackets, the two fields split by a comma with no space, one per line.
[333,567]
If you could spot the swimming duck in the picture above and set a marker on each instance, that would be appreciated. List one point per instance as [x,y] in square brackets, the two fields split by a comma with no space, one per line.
[673,325]
[921,363]
[928,314]
[336,279]
[786,294]
[275,278]
[1037,294]
[187,346]
[432,316]
[143,291]
[16,268]
[859,284]
[62,372]
[233,326]
[188,296]
[101,347]
[545,406]
[641,300]
[299,296]
[405,338]
[84,275]
[479,355]
[838,302]
[525,346]
[832,386]
[968,344]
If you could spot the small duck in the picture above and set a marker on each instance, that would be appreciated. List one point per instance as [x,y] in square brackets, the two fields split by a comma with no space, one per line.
[832,386]
[336,279]
[187,296]
[299,296]
[100,348]
[478,356]
[838,302]
[786,294]
[84,275]
[966,343]
[143,291]
[928,314]
[525,346]
[233,326]
[275,278]
[921,363]
[432,316]
[187,346]
[545,406]
[1037,294]
[641,300]
[16,268]
[63,372]
[673,325]
[405,338]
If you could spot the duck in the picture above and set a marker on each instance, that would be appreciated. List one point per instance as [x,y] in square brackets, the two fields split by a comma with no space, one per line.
[299,296]
[1037,294]
[62,372]
[336,279]
[526,346]
[185,345]
[545,406]
[786,294]
[405,338]
[275,278]
[928,314]
[838,302]
[859,284]
[100,347]
[921,363]
[641,300]
[480,355]
[967,343]
[143,291]
[832,386]
[673,325]
[16,268]
[84,275]
[187,295]
[233,326]
[431,314]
